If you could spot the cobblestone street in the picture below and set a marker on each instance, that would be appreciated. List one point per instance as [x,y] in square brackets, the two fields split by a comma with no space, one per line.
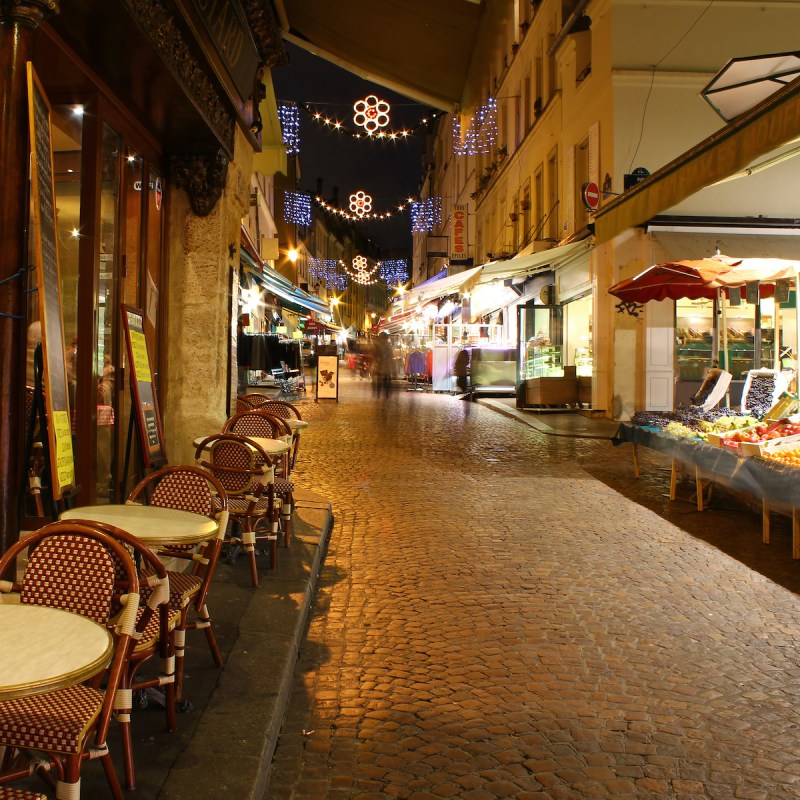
[504,613]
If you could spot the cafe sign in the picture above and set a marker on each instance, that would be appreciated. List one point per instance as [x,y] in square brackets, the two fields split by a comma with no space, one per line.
[226,24]
[459,253]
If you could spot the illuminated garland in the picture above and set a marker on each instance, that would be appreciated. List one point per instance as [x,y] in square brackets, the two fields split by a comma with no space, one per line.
[481,133]
[361,272]
[297,208]
[391,135]
[371,114]
[360,203]
[393,271]
[365,216]
[425,214]
[289,118]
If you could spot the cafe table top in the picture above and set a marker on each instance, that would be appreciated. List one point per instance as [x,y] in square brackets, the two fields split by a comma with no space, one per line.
[153,525]
[272,447]
[295,425]
[47,648]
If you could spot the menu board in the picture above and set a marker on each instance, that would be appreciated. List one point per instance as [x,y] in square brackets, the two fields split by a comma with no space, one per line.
[327,376]
[59,432]
[145,405]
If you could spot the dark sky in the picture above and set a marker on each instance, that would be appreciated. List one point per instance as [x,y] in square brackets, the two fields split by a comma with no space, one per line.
[388,171]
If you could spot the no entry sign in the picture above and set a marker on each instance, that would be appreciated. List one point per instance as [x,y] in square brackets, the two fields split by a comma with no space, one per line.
[591,195]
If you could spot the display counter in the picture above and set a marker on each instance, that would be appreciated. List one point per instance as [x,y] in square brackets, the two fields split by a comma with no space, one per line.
[775,485]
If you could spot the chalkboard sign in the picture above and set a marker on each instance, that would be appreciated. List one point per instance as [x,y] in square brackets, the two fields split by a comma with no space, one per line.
[145,406]
[59,431]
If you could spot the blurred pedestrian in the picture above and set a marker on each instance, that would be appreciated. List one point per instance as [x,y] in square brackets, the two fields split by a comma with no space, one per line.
[461,369]
[383,364]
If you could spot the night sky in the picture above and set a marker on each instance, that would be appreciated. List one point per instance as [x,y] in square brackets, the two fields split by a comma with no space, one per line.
[388,171]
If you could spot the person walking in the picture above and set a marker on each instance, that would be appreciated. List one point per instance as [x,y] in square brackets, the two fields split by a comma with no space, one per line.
[461,369]
[383,365]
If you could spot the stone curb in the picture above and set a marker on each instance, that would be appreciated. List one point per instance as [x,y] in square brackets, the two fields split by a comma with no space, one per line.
[231,749]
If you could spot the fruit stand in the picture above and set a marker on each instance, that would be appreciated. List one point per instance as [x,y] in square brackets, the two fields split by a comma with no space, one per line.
[753,450]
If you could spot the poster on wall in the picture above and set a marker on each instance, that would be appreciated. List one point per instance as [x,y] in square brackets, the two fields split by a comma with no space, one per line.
[54,374]
[145,405]
[328,377]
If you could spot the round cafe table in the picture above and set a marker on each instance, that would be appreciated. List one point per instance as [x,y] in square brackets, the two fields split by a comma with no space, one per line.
[153,525]
[47,648]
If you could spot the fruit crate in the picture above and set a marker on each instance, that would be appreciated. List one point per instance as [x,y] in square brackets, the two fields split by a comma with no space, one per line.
[781,383]
[774,445]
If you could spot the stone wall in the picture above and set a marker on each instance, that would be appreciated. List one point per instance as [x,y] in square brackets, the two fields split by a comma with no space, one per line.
[196,344]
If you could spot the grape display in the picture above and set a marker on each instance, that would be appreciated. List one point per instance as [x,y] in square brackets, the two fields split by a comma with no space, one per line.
[760,394]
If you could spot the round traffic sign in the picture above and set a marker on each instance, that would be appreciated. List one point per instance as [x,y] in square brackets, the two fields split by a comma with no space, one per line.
[591,195]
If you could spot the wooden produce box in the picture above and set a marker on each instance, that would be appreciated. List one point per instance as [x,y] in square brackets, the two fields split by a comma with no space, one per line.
[585,390]
[718,439]
[771,446]
[551,391]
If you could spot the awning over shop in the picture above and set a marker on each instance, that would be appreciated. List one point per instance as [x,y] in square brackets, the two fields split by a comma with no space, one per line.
[452,284]
[289,296]
[415,47]
[770,125]
[520,266]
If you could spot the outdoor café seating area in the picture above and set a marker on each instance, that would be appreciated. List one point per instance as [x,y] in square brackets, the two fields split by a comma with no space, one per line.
[99,608]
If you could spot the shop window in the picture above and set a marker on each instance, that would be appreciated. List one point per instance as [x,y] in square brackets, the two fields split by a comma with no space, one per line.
[694,336]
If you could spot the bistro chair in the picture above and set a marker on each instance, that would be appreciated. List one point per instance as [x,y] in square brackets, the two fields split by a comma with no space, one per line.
[193,489]
[74,568]
[11,793]
[246,402]
[247,475]
[285,410]
[262,425]
[288,383]
[155,635]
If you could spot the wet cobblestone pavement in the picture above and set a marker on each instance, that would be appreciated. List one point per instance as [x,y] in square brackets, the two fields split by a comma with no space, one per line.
[506,614]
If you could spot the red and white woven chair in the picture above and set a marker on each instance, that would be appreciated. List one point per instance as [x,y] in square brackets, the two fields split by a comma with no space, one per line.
[75,568]
[155,635]
[284,410]
[189,488]
[247,475]
[260,424]
[11,793]
[249,401]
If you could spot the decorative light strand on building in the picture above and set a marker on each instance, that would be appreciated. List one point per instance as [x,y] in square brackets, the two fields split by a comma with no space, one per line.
[425,214]
[336,280]
[331,209]
[481,133]
[289,118]
[393,271]
[297,208]
[333,124]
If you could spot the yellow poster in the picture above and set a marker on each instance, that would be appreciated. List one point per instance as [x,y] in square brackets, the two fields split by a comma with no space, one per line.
[62,433]
[141,361]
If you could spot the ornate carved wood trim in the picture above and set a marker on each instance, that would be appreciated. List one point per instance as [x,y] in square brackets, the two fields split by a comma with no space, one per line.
[202,176]
[266,32]
[27,12]
[168,39]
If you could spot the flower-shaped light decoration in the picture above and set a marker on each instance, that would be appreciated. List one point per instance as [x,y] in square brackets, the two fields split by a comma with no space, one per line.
[360,264]
[360,203]
[371,114]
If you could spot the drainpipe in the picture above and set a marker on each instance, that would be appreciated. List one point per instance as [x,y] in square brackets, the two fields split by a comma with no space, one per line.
[567,26]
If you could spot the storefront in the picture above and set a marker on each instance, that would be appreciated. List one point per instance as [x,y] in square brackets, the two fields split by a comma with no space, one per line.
[152,137]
